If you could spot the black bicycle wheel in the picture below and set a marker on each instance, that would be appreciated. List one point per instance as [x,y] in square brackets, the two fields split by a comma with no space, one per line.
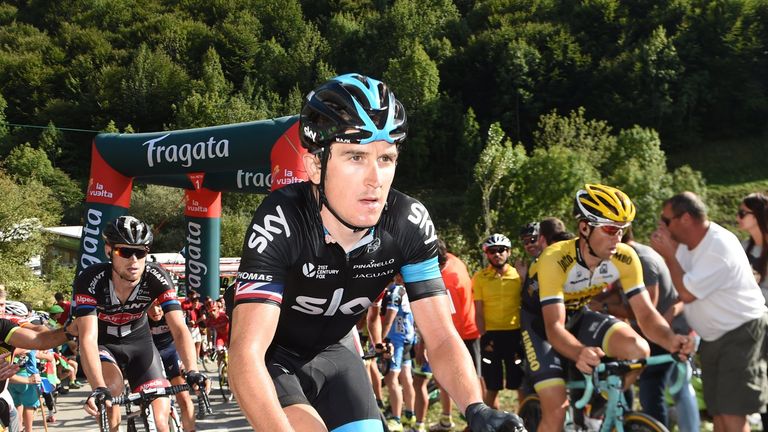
[530,412]
[639,422]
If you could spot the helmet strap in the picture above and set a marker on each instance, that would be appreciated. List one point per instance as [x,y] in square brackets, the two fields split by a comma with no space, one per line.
[324,156]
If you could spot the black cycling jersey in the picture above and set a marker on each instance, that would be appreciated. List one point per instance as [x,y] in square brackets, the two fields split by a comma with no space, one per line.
[161,333]
[290,261]
[94,294]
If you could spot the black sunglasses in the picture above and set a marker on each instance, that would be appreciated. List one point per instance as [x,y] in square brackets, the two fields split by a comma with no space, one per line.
[741,213]
[496,250]
[127,252]
[530,240]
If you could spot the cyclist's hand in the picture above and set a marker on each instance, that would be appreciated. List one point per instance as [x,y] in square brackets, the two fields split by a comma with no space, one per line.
[683,346]
[197,380]
[482,418]
[100,395]
[589,357]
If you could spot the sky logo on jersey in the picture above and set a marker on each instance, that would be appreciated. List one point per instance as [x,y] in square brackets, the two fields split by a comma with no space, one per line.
[317,305]
[271,225]
[420,216]
[245,290]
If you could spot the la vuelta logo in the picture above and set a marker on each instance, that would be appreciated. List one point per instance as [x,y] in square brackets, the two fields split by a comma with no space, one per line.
[97,189]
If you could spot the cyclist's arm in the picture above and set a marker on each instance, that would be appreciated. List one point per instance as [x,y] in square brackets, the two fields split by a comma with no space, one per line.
[653,325]
[182,338]
[561,339]
[386,322]
[374,324]
[448,356]
[88,327]
[566,343]
[26,338]
[251,381]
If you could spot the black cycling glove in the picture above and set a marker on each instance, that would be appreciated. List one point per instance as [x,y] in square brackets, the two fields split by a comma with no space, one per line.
[195,378]
[482,418]
[100,395]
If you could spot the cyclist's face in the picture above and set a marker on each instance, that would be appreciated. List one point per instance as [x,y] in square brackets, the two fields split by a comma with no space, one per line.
[497,255]
[603,243]
[129,269]
[358,180]
[155,312]
[532,245]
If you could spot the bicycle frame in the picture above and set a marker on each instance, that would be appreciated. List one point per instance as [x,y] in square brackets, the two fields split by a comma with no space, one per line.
[612,384]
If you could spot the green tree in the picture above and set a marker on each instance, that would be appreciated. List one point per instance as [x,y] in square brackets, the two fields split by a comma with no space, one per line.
[413,77]
[24,209]
[592,137]
[546,184]
[497,163]
[162,208]
[29,165]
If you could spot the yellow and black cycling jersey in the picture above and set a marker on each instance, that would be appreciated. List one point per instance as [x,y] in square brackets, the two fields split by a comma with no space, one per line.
[559,275]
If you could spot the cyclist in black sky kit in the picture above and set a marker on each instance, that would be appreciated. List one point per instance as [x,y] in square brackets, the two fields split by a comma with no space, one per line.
[111,300]
[318,254]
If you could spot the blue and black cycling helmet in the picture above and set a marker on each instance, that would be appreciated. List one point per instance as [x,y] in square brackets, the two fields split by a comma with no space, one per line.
[354,109]
[128,230]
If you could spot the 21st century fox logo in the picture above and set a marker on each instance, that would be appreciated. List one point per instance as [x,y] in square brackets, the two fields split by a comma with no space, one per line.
[317,272]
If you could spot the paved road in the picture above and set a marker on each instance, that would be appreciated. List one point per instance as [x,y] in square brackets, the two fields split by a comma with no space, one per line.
[71,417]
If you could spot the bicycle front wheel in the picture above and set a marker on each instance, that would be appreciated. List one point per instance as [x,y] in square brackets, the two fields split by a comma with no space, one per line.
[530,412]
[639,422]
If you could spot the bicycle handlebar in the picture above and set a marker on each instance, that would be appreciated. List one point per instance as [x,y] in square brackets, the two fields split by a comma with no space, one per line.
[620,367]
[149,395]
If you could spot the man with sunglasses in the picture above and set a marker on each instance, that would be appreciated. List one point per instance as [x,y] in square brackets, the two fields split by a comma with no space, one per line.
[110,304]
[723,304]
[564,278]
[497,309]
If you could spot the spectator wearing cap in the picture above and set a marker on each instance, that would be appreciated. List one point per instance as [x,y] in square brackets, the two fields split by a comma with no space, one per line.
[497,309]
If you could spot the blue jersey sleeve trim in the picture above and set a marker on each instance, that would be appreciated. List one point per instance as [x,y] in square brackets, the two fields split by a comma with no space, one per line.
[84,308]
[369,425]
[422,271]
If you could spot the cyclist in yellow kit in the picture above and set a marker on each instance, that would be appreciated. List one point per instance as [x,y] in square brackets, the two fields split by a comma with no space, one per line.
[560,284]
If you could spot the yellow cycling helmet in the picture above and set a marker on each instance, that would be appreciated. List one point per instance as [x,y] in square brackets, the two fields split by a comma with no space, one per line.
[602,204]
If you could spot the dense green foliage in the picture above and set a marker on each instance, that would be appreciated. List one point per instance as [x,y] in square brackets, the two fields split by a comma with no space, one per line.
[512,103]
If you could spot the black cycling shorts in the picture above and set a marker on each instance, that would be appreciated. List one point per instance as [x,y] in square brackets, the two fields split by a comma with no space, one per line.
[501,352]
[544,366]
[140,363]
[171,361]
[333,383]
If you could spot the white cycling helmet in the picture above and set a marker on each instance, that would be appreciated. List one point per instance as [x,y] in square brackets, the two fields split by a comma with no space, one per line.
[16,308]
[497,240]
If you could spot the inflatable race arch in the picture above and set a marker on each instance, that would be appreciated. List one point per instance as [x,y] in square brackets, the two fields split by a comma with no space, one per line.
[253,157]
